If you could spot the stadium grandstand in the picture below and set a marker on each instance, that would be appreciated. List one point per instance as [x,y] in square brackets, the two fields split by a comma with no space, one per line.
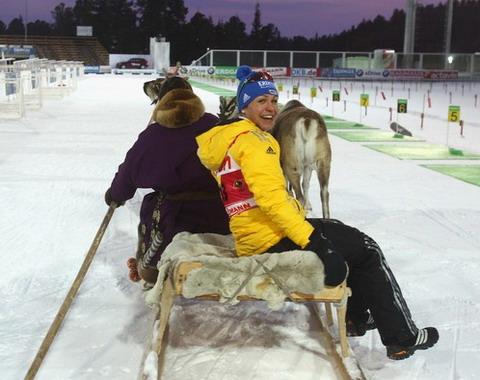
[83,49]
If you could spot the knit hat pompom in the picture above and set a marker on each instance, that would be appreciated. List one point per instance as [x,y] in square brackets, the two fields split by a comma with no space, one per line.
[243,72]
[247,91]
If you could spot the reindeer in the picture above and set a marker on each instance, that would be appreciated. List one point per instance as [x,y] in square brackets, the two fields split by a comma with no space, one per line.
[304,148]
[228,108]
[152,89]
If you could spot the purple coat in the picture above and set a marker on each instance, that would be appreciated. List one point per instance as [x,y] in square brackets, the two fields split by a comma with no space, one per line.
[165,159]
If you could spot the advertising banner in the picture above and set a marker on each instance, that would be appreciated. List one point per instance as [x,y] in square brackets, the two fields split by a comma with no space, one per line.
[230,71]
[441,74]
[277,71]
[304,72]
[10,51]
[338,73]
[226,71]
[198,70]
[91,69]
[377,74]
[407,74]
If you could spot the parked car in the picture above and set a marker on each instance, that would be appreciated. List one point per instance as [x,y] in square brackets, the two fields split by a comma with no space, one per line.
[133,63]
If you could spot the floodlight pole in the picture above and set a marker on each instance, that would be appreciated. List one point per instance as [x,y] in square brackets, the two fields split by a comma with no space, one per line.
[409,37]
[26,22]
[448,31]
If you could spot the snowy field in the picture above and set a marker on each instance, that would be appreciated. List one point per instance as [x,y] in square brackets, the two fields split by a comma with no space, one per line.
[57,162]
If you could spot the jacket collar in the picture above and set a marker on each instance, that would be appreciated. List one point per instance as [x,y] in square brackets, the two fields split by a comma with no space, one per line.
[178,108]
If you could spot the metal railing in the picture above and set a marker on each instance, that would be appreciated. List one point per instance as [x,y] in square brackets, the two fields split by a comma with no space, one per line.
[467,65]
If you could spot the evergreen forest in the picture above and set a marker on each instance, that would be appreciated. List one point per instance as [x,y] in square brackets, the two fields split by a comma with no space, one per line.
[125,27]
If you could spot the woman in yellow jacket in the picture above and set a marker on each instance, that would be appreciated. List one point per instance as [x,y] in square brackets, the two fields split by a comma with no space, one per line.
[245,160]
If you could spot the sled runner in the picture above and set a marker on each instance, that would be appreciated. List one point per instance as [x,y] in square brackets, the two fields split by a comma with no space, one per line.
[204,266]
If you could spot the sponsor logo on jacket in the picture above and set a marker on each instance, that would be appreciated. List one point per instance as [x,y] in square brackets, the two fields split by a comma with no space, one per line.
[236,195]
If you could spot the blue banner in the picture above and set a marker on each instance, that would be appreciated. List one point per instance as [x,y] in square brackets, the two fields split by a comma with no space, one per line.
[17,51]
[338,73]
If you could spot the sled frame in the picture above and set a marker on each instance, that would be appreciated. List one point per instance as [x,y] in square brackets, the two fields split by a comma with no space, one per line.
[173,285]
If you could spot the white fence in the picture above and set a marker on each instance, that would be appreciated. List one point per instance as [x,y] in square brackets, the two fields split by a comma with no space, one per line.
[25,84]
[12,104]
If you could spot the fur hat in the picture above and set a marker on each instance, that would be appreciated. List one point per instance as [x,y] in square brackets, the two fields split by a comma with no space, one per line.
[251,87]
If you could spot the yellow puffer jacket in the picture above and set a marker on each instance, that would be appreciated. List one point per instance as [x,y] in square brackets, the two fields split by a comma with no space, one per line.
[258,154]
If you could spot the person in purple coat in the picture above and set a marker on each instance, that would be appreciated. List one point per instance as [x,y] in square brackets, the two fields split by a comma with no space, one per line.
[164,158]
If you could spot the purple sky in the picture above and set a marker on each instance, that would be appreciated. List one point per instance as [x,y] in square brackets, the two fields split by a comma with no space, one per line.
[300,17]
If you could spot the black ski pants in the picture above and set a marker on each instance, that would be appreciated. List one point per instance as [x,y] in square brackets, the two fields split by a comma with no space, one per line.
[373,284]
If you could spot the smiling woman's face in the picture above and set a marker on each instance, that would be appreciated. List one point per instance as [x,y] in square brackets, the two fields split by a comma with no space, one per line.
[262,111]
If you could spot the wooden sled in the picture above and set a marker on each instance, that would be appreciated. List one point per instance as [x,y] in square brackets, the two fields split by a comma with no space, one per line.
[338,295]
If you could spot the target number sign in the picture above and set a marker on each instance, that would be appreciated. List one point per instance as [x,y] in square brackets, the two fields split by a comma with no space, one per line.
[454,114]
[336,96]
[364,100]
[402,105]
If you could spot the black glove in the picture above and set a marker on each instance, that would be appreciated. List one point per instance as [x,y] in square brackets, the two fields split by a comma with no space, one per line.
[333,262]
[109,199]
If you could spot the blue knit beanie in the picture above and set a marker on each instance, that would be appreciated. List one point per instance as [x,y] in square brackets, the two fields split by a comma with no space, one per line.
[247,91]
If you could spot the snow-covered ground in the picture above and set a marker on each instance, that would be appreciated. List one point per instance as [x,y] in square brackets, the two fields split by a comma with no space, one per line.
[56,163]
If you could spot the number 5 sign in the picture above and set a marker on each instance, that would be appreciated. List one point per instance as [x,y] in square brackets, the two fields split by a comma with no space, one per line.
[454,114]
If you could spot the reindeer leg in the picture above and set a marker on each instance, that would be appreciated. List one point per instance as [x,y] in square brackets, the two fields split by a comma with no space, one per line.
[307,175]
[293,177]
[323,174]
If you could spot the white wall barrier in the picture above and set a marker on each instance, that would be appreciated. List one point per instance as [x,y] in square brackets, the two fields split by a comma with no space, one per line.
[59,79]
[32,90]
[12,104]
[26,83]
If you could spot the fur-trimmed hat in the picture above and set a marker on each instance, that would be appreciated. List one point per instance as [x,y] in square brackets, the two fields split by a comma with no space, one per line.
[253,84]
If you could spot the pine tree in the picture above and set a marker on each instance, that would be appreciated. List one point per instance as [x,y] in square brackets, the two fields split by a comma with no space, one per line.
[200,33]
[16,26]
[64,20]
[255,34]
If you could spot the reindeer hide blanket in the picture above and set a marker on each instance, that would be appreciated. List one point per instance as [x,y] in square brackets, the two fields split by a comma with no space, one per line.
[223,273]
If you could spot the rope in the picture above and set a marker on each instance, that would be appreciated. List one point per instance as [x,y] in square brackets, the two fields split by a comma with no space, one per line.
[275,279]
[245,282]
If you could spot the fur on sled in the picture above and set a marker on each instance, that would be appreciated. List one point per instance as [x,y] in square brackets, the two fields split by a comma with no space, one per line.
[222,272]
